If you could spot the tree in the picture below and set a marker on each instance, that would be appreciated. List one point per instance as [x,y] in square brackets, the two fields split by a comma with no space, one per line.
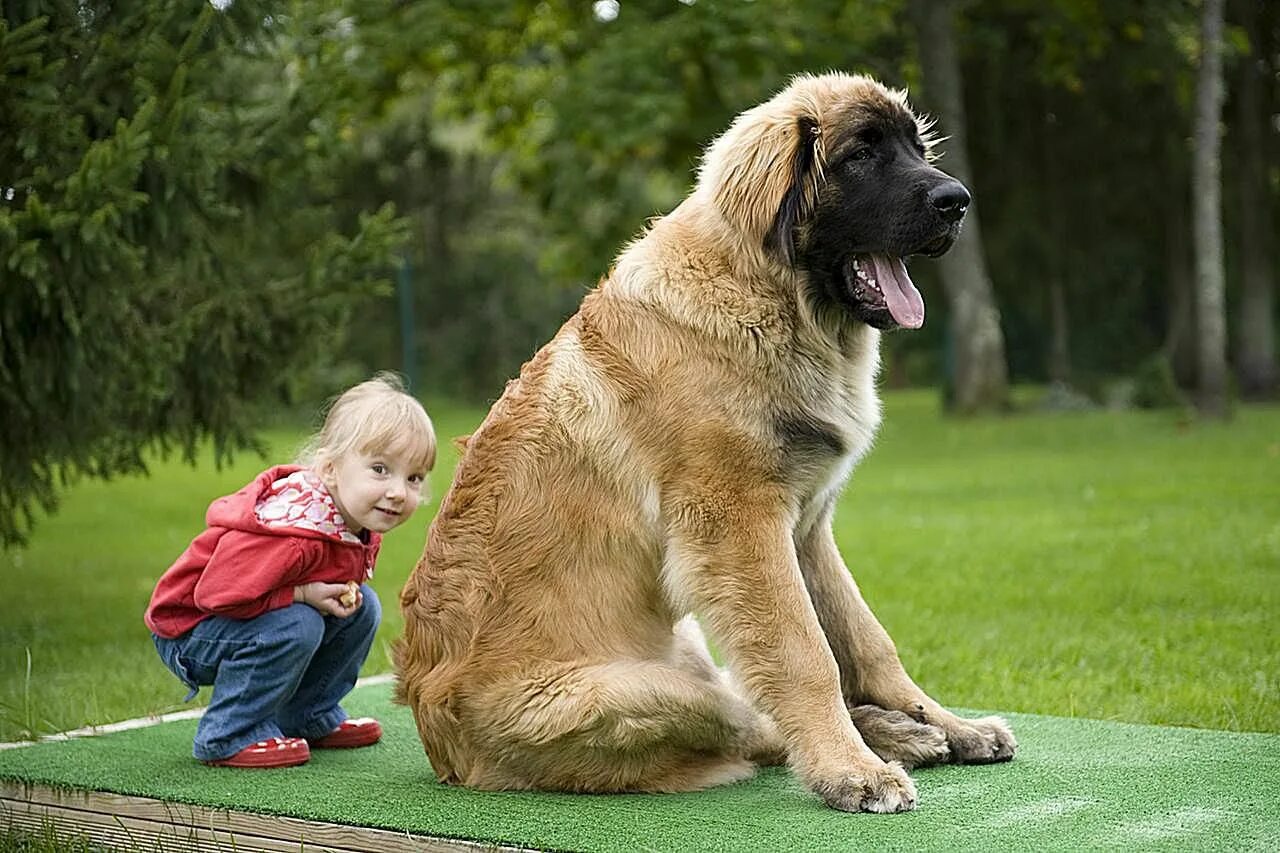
[980,380]
[1256,366]
[169,252]
[1206,188]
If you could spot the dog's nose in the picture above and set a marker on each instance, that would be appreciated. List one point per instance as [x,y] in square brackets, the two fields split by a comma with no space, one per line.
[950,199]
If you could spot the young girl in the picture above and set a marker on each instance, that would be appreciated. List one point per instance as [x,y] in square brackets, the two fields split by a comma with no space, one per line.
[269,604]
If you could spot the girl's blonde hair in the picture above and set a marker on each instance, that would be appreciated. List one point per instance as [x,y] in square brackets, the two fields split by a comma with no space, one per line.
[376,416]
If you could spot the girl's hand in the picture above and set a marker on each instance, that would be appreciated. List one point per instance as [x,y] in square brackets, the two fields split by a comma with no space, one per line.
[327,598]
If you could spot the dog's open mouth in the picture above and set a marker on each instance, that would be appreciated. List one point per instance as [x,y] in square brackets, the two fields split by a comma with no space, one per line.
[879,282]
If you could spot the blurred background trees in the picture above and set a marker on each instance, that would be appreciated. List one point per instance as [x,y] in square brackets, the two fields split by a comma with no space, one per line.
[1078,123]
[196,200]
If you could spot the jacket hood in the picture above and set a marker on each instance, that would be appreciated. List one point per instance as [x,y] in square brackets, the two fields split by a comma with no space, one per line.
[284,500]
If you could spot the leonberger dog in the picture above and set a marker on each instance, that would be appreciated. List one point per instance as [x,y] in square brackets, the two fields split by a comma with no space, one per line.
[678,448]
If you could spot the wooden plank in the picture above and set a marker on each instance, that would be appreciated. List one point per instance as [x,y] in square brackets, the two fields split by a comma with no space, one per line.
[116,832]
[148,824]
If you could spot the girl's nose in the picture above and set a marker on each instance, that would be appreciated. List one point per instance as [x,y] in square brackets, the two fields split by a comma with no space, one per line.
[395,489]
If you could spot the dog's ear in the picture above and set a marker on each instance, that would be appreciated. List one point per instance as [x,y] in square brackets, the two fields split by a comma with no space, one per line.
[797,202]
[763,173]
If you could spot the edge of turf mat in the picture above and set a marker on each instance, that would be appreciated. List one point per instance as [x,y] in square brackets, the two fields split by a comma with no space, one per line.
[1075,784]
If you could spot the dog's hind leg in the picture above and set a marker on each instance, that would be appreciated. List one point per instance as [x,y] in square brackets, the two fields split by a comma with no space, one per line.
[620,726]
[872,674]
[690,653]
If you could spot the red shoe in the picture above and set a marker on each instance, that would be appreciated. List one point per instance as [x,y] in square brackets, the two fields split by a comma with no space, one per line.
[272,752]
[361,731]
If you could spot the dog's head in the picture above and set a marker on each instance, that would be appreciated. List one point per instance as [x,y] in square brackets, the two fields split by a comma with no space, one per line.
[834,177]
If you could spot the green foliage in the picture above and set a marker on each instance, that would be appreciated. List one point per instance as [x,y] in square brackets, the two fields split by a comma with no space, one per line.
[605,120]
[554,135]
[49,839]
[1154,386]
[170,249]
[530,141]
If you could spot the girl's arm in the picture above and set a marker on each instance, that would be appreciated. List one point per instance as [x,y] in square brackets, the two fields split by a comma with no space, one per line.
[249,574]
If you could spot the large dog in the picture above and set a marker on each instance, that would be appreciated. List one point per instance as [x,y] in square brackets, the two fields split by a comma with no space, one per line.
[677,448]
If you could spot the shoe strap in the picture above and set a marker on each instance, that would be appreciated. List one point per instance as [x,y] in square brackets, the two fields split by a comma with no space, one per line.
[276,743]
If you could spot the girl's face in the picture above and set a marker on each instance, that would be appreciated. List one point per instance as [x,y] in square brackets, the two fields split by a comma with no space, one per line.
[374,491]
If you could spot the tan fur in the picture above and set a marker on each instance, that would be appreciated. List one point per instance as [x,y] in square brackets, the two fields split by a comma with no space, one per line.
[634,474]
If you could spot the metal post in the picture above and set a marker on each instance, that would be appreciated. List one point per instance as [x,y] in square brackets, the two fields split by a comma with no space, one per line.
[408,353]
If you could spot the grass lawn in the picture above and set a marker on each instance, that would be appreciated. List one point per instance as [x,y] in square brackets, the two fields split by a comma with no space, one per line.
[1121,566]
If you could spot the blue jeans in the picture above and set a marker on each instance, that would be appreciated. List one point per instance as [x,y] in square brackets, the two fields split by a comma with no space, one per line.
[279,674]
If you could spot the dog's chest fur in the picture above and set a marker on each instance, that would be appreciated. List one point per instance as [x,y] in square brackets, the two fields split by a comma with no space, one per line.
[832,425]
[713,365]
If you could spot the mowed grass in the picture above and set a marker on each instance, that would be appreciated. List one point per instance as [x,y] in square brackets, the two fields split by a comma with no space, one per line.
[1120,566]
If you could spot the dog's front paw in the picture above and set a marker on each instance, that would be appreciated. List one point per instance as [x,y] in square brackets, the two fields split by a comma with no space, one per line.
[884,789]
[981,741]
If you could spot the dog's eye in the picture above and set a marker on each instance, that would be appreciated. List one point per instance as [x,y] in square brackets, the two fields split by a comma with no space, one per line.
[863,153]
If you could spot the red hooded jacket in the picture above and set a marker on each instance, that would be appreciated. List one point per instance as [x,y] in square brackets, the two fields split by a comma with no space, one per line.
[276,533]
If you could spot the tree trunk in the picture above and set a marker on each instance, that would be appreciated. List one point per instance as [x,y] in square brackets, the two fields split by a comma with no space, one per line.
[1054,267]
[980,373]
[1180,330]
[1206,200]
[1256,366]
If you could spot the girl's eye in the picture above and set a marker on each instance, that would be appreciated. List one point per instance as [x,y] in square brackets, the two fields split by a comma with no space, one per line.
[416,479]
[378,468]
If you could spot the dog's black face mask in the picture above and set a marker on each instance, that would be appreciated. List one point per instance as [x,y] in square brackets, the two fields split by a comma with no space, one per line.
[880,201]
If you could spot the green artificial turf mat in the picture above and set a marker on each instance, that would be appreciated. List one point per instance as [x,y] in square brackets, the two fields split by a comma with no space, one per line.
[1075,784]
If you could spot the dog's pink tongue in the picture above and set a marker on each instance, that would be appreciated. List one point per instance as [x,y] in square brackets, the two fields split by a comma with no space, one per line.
[900,295]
